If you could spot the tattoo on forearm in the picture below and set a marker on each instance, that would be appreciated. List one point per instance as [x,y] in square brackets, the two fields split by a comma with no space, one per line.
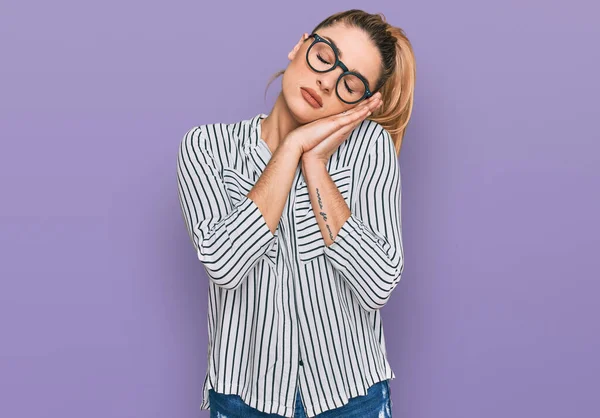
[329,230]
[319,199]
[324,215]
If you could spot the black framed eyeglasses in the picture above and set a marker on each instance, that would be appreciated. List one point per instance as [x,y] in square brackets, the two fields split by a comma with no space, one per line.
[322,57]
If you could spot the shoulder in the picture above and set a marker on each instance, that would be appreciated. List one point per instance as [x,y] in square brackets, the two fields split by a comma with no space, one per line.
[206,135]
[380,136]
[367,138]
[215,138]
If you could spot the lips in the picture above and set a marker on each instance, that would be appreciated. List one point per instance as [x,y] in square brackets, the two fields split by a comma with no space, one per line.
[314,95]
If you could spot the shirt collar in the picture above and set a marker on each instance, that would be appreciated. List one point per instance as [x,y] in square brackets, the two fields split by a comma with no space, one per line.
[255,149]
[252,140]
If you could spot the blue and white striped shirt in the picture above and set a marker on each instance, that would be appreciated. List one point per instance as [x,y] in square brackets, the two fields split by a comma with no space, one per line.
[286,312]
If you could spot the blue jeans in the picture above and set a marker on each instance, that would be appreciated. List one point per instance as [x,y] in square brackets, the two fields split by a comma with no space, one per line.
[376,400]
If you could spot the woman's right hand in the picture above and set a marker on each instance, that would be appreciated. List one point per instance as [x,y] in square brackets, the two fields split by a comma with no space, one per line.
[307,136]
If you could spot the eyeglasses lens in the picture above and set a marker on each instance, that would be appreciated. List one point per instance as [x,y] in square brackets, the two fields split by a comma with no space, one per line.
[321,57]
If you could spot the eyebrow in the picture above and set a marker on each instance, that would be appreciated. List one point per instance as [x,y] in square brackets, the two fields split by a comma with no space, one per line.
[334,45]
[340,55]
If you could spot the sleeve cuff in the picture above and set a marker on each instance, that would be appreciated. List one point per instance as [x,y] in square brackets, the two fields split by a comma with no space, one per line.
[247,217]
[249,230]
[248,209]
[351,235]
[352,227]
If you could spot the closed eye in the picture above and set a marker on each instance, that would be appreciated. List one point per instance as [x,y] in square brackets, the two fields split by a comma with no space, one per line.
[322,60]
[348,87]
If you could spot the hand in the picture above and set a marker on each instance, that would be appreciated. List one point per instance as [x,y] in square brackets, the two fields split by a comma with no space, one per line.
[330,131]
[323,150]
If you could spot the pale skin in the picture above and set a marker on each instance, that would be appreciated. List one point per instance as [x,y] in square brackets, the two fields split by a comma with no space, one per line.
[297,133]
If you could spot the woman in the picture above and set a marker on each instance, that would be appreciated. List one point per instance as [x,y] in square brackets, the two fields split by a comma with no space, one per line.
[296,217]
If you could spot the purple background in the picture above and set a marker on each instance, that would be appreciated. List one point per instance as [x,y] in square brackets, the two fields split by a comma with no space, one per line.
[102,299]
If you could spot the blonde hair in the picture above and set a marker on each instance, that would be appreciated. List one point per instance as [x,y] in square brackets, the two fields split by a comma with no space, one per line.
[398,72]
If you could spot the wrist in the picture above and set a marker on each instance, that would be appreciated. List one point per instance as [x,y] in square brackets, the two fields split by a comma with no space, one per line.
[310,160]
[292,148]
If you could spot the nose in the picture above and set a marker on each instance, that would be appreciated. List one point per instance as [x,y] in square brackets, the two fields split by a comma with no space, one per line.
[326,81]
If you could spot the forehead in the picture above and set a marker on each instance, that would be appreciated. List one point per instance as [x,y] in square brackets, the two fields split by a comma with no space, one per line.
[357,51]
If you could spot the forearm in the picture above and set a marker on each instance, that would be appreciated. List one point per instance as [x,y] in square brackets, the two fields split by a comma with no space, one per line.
[273,186]
[367,248]
[329,206]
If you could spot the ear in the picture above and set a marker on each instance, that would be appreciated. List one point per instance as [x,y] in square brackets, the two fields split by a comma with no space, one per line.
[294,51]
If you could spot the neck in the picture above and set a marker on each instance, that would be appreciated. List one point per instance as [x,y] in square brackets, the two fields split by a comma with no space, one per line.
[278,124]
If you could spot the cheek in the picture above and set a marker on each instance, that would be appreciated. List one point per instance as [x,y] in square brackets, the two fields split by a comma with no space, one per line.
[294,77]
[288,81]
[298,74]
[335,108]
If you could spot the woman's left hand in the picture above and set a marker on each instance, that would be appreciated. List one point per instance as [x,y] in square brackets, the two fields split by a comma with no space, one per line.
[324,149]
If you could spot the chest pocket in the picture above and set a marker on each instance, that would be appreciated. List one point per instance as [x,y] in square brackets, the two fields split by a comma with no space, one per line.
[309,239]
[238,186]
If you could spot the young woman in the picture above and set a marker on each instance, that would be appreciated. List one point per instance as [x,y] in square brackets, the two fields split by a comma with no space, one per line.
[296,217]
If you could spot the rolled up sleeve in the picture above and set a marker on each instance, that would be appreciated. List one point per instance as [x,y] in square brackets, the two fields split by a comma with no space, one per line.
[228,239]
[368,251]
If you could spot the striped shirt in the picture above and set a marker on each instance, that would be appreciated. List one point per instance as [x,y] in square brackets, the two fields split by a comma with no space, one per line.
[286,312]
